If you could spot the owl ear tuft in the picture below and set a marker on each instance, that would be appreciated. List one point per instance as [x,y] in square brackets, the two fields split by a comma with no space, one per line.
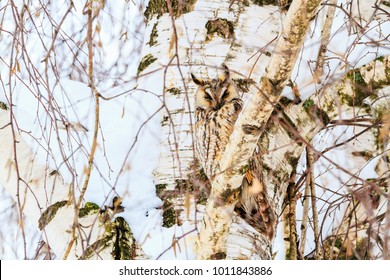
[197,81]
[226,73]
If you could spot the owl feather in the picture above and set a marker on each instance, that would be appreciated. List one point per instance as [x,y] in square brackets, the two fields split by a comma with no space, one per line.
[217,107]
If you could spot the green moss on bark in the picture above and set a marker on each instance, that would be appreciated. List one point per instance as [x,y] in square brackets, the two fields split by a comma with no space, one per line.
[3,106]
[153,36]
[88,208]
[243,84]
[170,215]
[117,236]
[293,161]
[361,89]
[220,27]
[50,213]
[156,8]
[218,256]
[174,90]
[266,2]
[145,62]
[309,103]
[230,194]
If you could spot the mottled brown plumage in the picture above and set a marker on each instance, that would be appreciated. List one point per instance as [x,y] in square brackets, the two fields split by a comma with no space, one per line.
[217,107]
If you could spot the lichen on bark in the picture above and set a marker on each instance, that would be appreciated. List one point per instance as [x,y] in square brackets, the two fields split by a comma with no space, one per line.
[243,84]
[153,35]
[88,209]
[118,238]
[145,62]
[220,27]
[50,213]
[3,106]
[156,8]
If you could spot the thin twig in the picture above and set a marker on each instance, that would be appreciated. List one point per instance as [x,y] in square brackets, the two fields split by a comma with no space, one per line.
[15,141]
[325,36]
[88,11]
[386,243]
[305,214]
[292,221]
[57,30]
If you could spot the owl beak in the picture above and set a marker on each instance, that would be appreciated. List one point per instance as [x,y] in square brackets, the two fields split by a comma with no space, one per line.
[219,105]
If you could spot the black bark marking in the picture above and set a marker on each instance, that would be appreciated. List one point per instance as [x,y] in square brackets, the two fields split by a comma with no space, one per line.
[251,129]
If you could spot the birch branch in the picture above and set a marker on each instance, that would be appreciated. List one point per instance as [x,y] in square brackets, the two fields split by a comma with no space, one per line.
[310,178]
[88,11]
[325,38]
[248,129]
[291,218]
[305,216]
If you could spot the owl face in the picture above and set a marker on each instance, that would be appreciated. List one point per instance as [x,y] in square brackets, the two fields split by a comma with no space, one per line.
[213,94]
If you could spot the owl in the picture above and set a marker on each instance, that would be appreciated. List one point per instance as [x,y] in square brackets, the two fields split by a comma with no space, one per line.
[217,107]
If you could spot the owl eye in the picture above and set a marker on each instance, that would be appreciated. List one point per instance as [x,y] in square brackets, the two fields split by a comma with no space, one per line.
[207,95]
[225,94]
